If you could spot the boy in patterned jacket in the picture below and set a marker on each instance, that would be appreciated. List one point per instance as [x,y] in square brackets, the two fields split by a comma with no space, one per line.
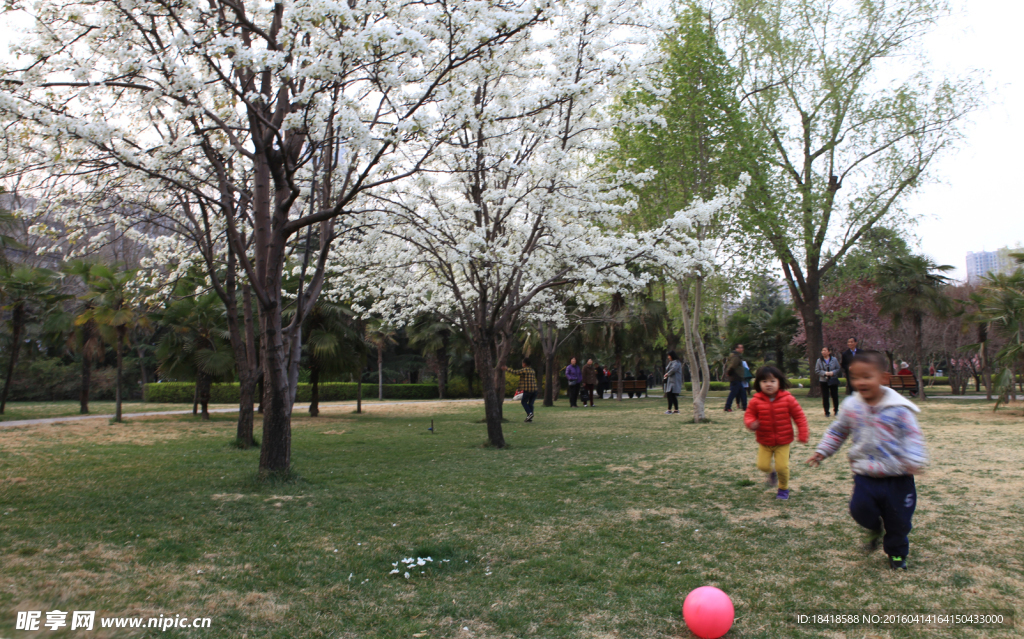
[886,451]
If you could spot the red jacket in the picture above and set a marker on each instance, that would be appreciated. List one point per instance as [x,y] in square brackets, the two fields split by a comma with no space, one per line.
[775,427]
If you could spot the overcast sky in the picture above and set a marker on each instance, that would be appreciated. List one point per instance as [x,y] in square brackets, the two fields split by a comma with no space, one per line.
[978,206]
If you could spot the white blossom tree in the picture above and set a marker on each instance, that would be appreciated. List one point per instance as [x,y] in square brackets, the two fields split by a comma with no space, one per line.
[515,205]
[272,120]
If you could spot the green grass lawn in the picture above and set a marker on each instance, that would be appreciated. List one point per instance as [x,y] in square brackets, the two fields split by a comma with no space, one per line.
[594,523]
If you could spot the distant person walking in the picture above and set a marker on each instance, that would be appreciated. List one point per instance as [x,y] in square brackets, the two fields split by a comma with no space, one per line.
[528,386]
[589,382]
[574,374]
[846,359]
[673,382]
[734,372]
[827,368]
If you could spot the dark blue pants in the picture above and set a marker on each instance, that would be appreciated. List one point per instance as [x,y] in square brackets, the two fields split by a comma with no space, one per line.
[886,502]
[527,401]
[737,392]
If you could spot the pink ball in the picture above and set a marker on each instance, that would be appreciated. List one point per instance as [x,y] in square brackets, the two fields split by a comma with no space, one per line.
[708,612]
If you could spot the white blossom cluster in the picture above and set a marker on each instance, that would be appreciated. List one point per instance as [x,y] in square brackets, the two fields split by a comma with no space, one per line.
[517,201]
[410,563]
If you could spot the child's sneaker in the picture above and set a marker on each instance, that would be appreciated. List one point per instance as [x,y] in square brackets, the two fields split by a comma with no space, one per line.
[872,541]
[668,412]
[773,479]
[897,563]
[782,494]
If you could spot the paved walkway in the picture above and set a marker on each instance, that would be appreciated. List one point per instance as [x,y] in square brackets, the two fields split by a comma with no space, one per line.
[77,418]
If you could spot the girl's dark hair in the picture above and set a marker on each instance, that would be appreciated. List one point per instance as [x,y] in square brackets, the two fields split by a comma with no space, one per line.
[673,355]
[770,371]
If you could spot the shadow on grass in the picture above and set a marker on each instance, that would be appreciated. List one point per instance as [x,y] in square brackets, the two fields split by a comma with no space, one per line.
[263,480]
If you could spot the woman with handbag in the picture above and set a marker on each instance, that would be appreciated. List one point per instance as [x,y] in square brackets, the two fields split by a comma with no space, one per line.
[673,382]
[827,369]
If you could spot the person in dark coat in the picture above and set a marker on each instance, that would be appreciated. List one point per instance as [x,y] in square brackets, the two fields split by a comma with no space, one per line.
[846,359]
[735,373]
[589,382]
[629,377]
[602,381]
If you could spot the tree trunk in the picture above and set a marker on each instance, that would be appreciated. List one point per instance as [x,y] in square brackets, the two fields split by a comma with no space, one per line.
[550,379]
[203,382]
[380,372]
[494,394]
[918,352]
[195,398]
[142,365]
[18,321]
[812,329]
[359,394]
[276,447]
[294,357]
[246,392]
[700,375]
[244,346]
[117,397]
[83,393]
[314,383]
[780,352]
[442,374]
[618,368]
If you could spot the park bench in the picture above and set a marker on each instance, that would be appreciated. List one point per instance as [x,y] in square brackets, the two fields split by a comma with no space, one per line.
[903,382]
[631,385]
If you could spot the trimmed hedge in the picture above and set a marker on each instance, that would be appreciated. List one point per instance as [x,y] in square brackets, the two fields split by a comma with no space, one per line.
[183,392]
[724,386]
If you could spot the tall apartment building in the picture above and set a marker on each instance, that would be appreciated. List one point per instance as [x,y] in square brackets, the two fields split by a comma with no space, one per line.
[981,264]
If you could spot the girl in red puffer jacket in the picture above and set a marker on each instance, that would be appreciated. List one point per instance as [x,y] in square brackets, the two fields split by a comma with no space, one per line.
[771,414]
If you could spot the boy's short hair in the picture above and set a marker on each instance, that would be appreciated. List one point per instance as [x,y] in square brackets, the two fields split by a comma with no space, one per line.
[874,358]
[769,371]
[526,360]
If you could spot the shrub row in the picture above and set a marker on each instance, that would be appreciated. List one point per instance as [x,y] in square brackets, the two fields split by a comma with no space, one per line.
[183,392]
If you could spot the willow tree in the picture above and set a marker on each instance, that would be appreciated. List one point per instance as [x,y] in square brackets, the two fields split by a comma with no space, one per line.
[852,133]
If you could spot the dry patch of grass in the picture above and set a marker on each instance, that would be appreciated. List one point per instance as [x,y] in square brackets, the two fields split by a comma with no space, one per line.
[141,431]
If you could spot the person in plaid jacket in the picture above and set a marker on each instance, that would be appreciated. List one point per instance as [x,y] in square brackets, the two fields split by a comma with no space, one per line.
[527,386]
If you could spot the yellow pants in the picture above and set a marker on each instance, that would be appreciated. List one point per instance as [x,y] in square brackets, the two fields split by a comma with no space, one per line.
[781,454]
